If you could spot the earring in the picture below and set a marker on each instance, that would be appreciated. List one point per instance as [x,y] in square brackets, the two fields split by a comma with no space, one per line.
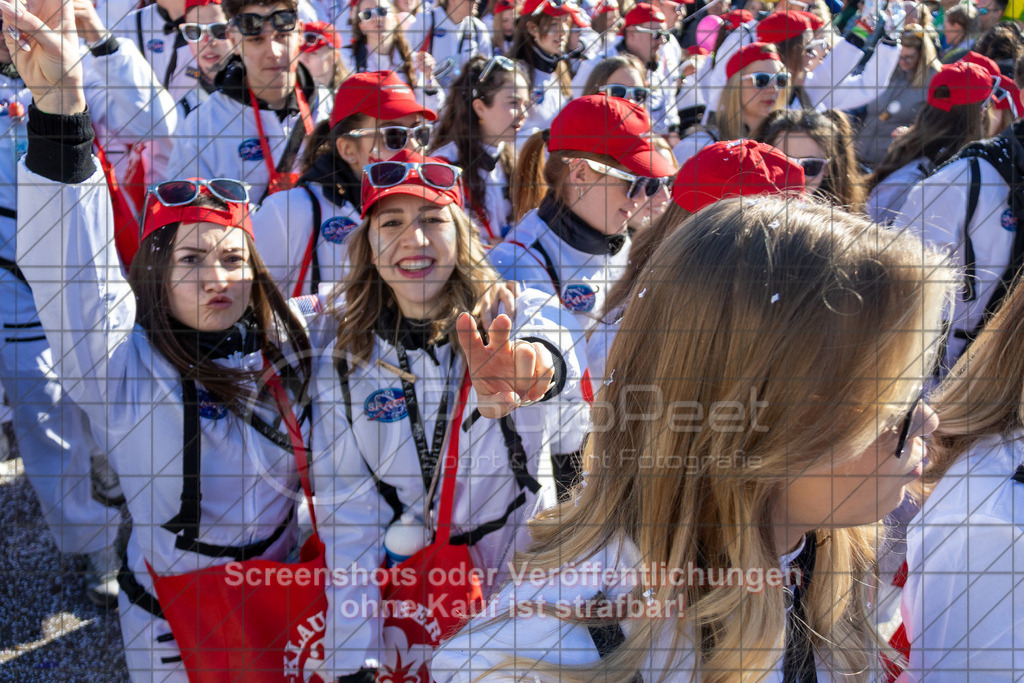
[579,191]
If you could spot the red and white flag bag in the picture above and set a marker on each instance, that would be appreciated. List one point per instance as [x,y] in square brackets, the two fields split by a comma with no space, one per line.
[263,633]
[421,615]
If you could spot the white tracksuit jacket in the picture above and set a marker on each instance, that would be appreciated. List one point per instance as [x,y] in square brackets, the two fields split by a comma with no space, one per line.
[168,53]
[451,45]
[132,397]
[497,206]
[353,516]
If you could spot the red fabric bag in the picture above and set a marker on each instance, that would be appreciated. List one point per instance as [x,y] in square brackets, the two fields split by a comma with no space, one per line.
[420,614]
[262,631]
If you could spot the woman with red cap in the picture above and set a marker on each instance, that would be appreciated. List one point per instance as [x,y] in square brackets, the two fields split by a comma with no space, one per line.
[757,84]
[477,132]
[542,34]
[504,29]
[197,341]
[571,241]
[321,55]
[957,112]
[303,231]
[740,168]
[396,377]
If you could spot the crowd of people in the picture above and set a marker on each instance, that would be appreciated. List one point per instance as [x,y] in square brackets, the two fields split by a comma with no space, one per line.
[526,339]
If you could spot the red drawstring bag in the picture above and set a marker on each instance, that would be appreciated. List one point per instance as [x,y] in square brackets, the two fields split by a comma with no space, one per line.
[227,629]
[445,591]
[126,228]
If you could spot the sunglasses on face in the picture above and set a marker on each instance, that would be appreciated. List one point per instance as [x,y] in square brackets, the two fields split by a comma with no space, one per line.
[182,192]
[396,138]
[762,80]
[813,166]
[662,34]
[194,33]
[637,184]
[251,24]
[637,94]
[905,425]
[368,14]
[391,173]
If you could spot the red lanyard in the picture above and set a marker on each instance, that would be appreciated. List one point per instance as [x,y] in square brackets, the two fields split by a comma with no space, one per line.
[295,434]
[307,122]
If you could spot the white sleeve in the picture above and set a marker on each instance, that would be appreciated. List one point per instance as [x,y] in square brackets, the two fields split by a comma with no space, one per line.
[935,208]
[182,158]
[125,97]
[832,86]
[281,241]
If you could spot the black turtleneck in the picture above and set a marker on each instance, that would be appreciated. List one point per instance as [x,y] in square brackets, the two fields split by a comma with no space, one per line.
[575,232]
[412,334]
[341,184]
[542,60]
[231,80]
[242,337]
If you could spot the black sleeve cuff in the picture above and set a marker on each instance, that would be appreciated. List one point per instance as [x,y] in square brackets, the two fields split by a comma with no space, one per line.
[855,40]
[558,380]
[886,40]
[361,676]
[107,47]
[59,146]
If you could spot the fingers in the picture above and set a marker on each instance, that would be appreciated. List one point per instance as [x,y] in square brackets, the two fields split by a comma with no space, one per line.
[469,337]
[507,296]
[498,332]
[525,358]
[543,373]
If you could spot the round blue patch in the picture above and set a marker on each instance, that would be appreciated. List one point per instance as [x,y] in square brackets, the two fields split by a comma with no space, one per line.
[440,32]
[579,298]
[1008,221]
[386,405]
[155,45]
[250,150]
[209,407]
[538,95]
[336,230]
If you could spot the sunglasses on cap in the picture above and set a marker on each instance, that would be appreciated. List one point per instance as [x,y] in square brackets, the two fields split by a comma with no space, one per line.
[662,33]
[814,46]
[181,192]
[251,24]
[555,4]
[762,80]
[193,33]
[813,166]
[384,174]
[637,94]
[396,138]
[906,424]
[368,14]
[1001,94]
[637,184]
[496,62]
[313,39]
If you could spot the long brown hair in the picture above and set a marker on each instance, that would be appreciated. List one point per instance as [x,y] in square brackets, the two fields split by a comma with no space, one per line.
[844,183]
[523,45]
[706,498]
[323,141]
[936,135]
[366,295]
[458,123]
[609,65]
[398,41]
[150,280]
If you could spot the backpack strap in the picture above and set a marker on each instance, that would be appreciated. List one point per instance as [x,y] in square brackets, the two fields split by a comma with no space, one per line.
[138,33]
[545,263]
[609,637]
[310,259]
[970,292]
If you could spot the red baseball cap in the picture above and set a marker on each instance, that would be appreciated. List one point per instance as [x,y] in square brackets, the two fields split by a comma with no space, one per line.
[698,51]
[615,127]
[380,94]
[157,215]
[981,60]
[967,83]
[1013,91]
[324,34]
[503,6]
[553,8]
[189,4]
[643,13]
[737,17]
[735,168]
[412,184]
[755,52]
[781,26]
[605,6]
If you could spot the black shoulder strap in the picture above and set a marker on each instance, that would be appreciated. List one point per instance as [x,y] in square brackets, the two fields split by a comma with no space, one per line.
[138,34]
[1018,476]
[186,522]
[609,637]
[314,275]
[361,57]
[550,267]
[798,660]
[12,268]
[970,292]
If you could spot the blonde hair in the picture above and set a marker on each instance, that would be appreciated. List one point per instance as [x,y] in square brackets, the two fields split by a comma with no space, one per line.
[729,115]
[821,356]
[365,294]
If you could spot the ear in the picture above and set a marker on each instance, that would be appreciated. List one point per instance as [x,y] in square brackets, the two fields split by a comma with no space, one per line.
[579,173]
[533,30]
[346,149]
[479,108]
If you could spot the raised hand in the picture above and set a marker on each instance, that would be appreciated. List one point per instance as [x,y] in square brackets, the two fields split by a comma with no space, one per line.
[505,374]
[41,37]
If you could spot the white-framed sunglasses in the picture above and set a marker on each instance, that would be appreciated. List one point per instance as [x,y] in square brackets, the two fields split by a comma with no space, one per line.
[637,183]
[396,138]
[638,94]
[194,33]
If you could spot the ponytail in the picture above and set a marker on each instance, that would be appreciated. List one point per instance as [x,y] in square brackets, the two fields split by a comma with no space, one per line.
[530,187]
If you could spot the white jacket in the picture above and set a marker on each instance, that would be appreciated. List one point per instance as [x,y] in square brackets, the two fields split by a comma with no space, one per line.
[965,556]
[833,85]
[548,100]
[497,207]
[887,198]
[451,45]
[353,516]
[167,53]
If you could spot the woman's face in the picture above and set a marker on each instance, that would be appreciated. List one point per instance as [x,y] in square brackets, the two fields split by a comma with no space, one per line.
[954,33]
[997,120]
[626,76]
[554,40]
[376,28]
[757,102]
[909,57]
[210,278]
[500,121]
[800,146]
[366,149]
[652,207]
[413,242]
[599,199]
[507,21]
[320,63]
[840,491]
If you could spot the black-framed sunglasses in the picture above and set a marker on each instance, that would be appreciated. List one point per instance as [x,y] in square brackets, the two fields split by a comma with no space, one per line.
[193,33]
[251,24]
[395,138]
[906,424]
[368,14]
[638,94]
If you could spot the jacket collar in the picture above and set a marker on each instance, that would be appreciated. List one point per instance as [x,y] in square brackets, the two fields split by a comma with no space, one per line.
[232,82]
[575,232]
